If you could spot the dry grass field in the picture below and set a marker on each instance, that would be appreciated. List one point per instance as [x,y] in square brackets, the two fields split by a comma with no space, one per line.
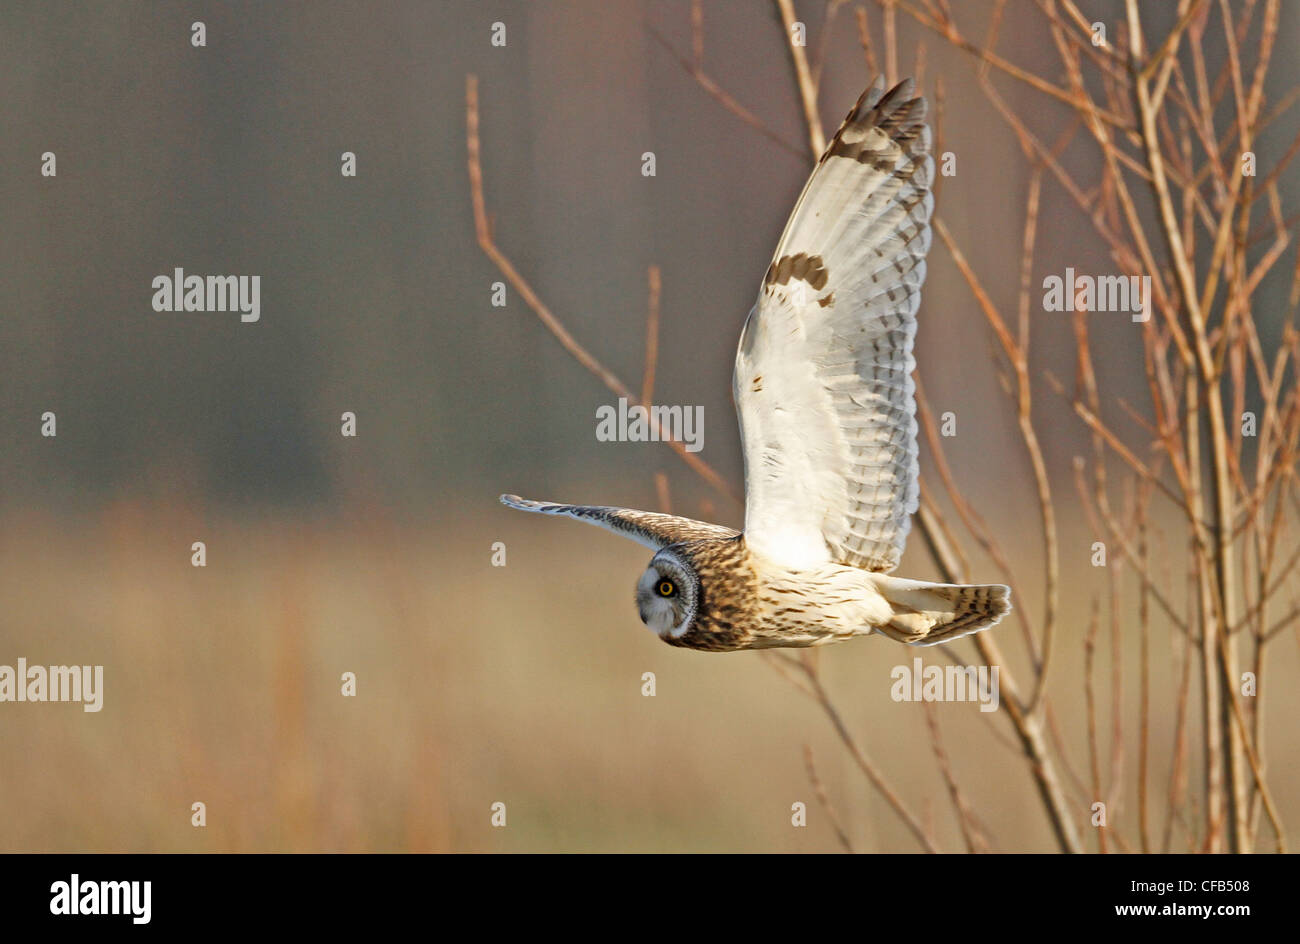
[476,684]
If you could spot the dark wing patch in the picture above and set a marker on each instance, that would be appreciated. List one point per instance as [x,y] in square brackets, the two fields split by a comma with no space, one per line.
[802,267]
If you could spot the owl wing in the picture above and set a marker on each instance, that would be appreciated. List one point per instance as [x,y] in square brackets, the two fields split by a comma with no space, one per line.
[645,527]
[823,384]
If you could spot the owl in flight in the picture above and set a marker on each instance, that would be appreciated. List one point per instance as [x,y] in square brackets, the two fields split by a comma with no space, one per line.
[824,393]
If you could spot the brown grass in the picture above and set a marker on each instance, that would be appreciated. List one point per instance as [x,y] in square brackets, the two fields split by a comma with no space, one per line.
[475,684]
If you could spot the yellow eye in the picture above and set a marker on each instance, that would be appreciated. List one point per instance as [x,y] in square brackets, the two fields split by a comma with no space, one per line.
[667,588]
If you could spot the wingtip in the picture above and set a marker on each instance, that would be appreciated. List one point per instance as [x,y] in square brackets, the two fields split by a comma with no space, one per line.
[902,95]
[880,96]
[523,504]
[867,100]
[877,90]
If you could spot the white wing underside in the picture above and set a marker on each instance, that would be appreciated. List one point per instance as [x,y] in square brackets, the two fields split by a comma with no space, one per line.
[822,383]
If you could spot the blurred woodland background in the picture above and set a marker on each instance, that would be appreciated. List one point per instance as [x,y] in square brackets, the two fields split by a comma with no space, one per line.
[522,684]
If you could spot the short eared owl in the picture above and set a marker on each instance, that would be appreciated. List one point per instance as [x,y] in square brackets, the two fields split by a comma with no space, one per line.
[824,392]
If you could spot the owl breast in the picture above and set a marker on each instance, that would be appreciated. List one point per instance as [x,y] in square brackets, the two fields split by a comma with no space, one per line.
[746,602]
[816,606]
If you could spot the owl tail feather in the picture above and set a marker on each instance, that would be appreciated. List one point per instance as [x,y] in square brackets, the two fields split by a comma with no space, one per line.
[926,614]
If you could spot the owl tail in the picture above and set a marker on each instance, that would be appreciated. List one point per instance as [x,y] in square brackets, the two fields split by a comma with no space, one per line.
[929,613]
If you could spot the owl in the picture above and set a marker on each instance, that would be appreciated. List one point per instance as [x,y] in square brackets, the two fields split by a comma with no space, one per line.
[824,394]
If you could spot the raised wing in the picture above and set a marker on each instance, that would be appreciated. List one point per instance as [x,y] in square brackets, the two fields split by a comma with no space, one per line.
[645,527]
[823,382]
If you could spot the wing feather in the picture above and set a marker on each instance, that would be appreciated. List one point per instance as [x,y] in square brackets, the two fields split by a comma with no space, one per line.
[651,529]
[823,383]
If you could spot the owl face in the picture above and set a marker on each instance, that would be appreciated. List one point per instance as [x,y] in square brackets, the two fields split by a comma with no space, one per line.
[666,595]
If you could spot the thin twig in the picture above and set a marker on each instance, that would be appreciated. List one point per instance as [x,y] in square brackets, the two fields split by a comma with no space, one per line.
[820,792]
[544,314]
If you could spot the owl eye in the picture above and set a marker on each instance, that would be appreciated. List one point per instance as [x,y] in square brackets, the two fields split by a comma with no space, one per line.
[666,588]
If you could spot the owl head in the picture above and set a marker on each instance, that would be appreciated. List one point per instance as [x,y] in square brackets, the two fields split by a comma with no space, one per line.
[667,594]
